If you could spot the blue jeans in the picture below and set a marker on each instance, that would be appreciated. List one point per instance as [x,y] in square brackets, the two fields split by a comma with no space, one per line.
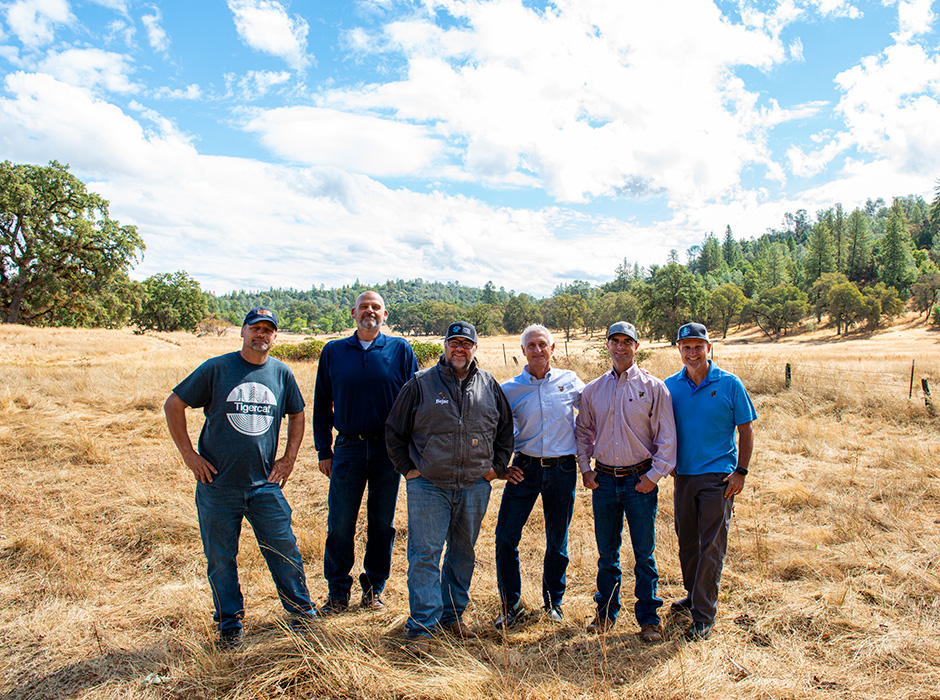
[556,485]
[702,519]
[355,464]
[439,595]
[612,500]
[221,510]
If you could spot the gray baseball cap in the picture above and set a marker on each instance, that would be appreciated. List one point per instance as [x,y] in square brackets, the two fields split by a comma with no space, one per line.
[627,329]
[692,330]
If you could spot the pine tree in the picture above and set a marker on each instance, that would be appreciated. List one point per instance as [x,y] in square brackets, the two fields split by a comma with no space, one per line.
[897,261]
[858,248]
[820,254]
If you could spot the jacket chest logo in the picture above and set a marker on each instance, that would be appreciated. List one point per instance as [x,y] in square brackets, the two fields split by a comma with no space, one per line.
[441,399]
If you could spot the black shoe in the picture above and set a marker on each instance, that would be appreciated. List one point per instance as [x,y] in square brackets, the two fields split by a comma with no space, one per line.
[231,639]
[554,614]
[334,606]
[304,624]
[372,601]
[513,617]
[699,631]
[682,606]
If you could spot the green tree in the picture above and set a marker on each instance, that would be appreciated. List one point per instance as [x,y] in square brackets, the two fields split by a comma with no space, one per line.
[820,254]
[858,247]
[673,297]
[488,296]
[710,260]
[171,302]
[846,305]
[731,250]
[725,303]
[819,294]
[777,309]
[565,311]
[896,258]
[772,265]
[617,306]
[519,312]
[924,293]
[58,246]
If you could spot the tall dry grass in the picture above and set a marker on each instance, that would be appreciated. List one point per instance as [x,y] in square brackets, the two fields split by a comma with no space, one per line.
[830,587]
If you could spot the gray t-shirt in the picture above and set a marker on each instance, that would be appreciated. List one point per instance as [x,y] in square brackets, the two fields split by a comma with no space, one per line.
[243,404]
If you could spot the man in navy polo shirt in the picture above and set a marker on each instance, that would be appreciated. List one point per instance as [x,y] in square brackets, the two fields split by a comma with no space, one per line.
[244,396]
[709,404]
[358,380]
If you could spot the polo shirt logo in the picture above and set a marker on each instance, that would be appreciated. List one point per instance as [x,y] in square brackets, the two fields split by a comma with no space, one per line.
[713,394]
[641,393]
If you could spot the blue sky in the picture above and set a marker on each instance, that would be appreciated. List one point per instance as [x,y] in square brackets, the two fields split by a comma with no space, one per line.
[268,143]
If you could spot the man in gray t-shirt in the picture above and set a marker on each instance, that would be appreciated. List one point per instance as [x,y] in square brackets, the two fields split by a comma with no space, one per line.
[244,395]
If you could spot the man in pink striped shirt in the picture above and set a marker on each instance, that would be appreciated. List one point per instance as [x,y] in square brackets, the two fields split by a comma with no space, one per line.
[626,425]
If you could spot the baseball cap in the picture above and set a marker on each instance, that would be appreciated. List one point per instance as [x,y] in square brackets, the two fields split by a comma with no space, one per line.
[627,329]
[461,329]
[260,314]
[692,330]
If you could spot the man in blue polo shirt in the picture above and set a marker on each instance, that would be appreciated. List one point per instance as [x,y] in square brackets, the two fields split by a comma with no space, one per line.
[709,404]
[358,380]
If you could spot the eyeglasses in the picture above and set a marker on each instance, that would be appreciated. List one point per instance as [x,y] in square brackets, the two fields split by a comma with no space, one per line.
[465,344]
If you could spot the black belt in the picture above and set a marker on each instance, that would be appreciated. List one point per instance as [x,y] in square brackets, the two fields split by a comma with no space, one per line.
[631,470]
[543,461]
[369,436]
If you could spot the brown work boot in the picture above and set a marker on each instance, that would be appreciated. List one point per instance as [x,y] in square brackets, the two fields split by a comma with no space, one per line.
[459,629]
[599,625]
[651,633]
[419,645]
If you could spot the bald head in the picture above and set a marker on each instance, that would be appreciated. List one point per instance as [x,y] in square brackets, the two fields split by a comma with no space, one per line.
[369,313]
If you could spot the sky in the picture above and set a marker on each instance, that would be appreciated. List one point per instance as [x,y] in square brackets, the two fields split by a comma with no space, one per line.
[270,143]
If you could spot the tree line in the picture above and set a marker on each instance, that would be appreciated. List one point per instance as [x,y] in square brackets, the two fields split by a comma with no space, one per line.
[65,262]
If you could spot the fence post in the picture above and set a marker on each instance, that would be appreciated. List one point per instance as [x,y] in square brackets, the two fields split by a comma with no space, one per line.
[787,377]
[911,394]
[505,359]
[931,411]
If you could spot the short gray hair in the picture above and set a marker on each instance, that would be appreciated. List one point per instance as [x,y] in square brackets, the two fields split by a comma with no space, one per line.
[537,328]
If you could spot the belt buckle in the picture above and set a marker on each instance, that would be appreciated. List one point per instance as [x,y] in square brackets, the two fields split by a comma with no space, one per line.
[542,462]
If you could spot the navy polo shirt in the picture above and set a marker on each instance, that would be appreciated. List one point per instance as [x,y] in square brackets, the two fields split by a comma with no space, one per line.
[356,387]
[706,418]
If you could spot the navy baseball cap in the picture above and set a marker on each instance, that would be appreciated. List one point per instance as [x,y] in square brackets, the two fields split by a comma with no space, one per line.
[692,330]
[260,314]
[627,329]
[461,329]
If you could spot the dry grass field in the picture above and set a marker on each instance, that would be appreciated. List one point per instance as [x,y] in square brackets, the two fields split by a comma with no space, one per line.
[831,587]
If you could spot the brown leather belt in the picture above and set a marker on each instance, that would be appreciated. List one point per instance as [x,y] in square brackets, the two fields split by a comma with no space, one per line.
[632,470]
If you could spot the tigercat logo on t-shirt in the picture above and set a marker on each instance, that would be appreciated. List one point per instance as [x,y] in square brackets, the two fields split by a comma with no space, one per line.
[441,399]
[251,408]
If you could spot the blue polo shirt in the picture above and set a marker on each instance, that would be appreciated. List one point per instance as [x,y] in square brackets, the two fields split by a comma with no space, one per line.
[356,387]
[706,418]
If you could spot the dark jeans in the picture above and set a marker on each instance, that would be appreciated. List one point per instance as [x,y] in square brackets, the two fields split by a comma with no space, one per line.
[355,464]
[702,518]
[556,485]
[614,499]
[221,510]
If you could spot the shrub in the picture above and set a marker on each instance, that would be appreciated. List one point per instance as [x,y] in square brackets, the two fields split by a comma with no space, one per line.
[426,353]
[306,351]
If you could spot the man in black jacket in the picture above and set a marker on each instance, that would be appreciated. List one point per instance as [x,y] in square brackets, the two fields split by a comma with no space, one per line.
[450,434]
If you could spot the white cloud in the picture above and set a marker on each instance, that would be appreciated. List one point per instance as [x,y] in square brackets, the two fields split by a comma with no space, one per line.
[914,17]
[836,8]
[34,21]
[891,107]
[156,35]
[91,68]
[116,5]
[590,98]
[190,92]
[44,118]
[265,26]
[255,84]
[354,142]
